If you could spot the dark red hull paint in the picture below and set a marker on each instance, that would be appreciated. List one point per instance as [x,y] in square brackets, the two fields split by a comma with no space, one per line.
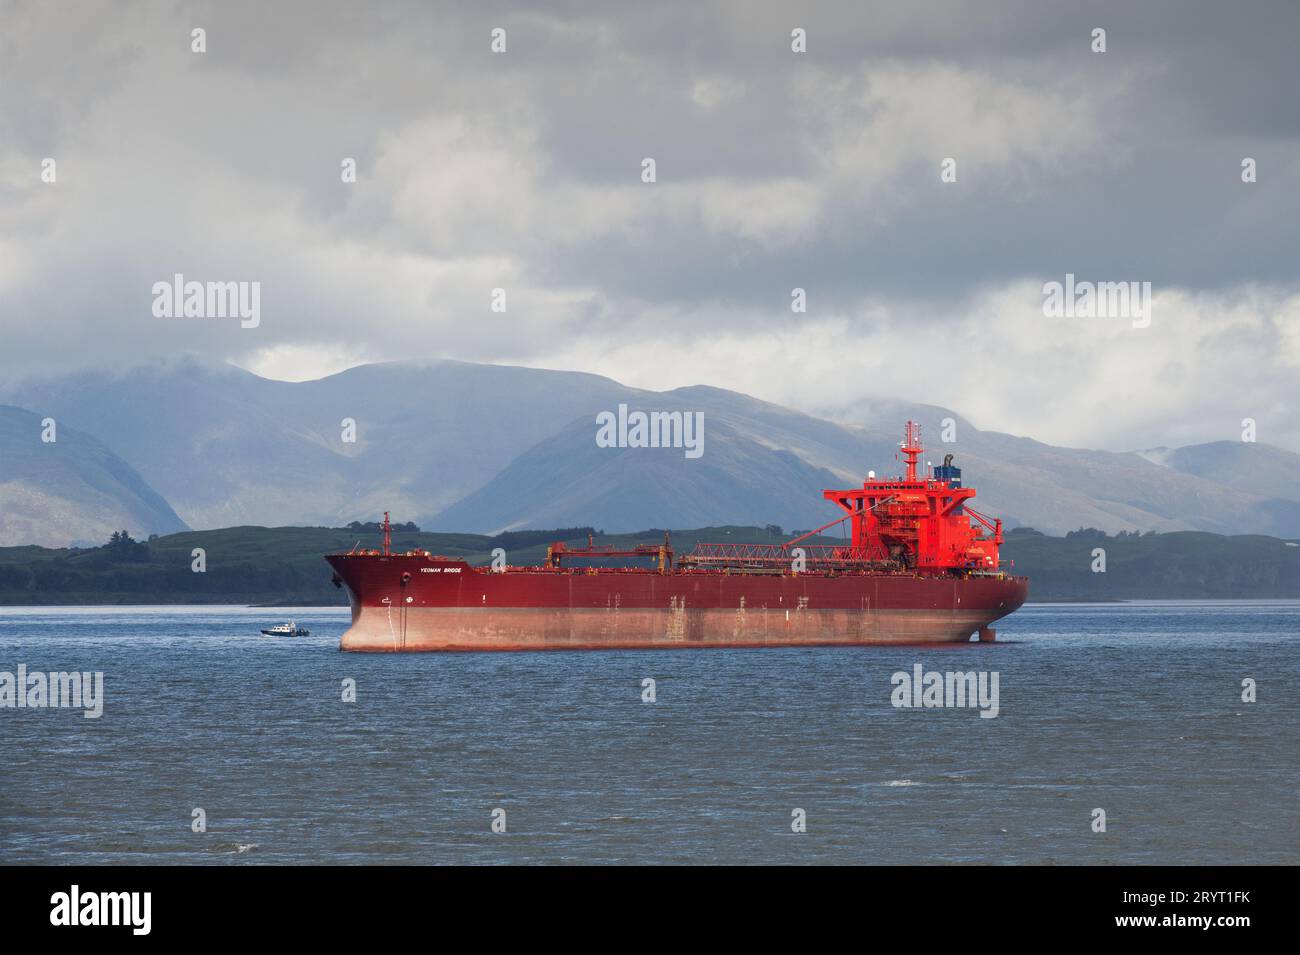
[446,604]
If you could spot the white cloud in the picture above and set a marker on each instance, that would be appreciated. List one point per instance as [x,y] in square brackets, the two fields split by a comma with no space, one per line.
[710,92]
[1207,361]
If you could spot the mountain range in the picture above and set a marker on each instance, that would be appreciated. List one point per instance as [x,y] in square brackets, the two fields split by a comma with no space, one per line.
[457,446]
[59,484]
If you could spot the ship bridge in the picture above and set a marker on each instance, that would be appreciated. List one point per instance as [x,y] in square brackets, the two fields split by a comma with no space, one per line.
[921,522]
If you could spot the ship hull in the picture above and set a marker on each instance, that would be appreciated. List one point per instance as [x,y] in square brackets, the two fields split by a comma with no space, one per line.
[417,603]
[374,629]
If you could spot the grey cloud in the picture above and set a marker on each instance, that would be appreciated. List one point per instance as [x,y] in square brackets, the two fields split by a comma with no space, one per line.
[774,170]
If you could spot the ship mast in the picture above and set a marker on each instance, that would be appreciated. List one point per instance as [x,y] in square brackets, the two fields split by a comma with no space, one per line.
[912,448]
[388,535]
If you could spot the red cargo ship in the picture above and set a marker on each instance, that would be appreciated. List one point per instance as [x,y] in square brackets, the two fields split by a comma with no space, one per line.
[920,566]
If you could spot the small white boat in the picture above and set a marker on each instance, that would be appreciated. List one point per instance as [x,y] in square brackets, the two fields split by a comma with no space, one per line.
[289,629]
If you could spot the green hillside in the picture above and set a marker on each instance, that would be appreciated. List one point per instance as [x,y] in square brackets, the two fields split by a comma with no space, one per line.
[1154,566]
[260,565]
[283,565]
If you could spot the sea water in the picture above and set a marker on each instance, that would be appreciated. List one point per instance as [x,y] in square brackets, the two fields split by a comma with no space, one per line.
[219,745]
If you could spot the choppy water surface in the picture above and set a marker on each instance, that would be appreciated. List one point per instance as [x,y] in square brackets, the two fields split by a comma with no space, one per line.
[1132,708]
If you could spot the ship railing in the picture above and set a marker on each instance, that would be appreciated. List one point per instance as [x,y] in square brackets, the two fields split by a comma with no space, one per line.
[783,555]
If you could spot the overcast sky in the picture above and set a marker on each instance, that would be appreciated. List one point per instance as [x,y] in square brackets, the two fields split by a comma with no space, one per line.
[821,170]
